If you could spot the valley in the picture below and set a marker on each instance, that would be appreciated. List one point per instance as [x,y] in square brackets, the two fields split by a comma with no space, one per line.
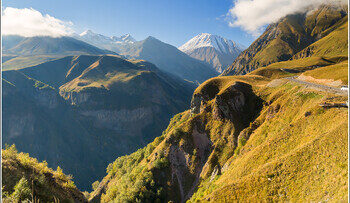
[92,118]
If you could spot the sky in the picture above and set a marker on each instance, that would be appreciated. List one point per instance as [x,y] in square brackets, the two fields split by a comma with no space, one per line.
[172,21]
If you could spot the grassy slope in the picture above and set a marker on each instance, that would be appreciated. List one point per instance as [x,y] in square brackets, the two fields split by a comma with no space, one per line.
[330,52]
[292,156]
[48,183]
[287,37]
[20,62]
[335,72]
[271,160]
[334,44]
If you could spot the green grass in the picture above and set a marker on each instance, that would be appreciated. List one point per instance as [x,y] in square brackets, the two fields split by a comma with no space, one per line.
[20,62]
[277,70]
[333,44]
[333,72]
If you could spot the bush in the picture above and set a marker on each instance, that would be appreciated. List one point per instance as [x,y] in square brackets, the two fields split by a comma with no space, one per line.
[95,185]
[161,163]
[22,191]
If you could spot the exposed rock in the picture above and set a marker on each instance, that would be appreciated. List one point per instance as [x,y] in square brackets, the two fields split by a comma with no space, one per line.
[216,171]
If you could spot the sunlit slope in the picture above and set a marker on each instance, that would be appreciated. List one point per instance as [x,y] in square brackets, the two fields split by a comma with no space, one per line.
[23,175]
[330,52]
[282,40]
[242,140]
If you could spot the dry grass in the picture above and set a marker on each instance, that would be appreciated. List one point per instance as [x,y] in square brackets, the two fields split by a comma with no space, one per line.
[334,72]
[291,156]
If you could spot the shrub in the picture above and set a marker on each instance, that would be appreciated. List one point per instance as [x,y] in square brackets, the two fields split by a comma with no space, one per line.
[22,190]
[95,185]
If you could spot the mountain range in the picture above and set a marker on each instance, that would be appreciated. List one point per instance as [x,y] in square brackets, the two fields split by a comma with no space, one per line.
[79,112]
[20,52]
[110,43]
[168,58]
[212,49]
[163,55]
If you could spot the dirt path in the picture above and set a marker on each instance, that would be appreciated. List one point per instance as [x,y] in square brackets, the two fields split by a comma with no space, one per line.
[324,88]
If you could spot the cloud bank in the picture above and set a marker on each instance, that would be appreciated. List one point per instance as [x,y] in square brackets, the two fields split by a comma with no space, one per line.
[252,15]
[28,22]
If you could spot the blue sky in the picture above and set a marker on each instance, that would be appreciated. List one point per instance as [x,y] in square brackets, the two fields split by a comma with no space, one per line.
[172,21]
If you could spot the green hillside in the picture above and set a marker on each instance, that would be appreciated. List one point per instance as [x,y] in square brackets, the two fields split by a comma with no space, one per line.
[282,40]
[24,176]
[256,137]
[244,138]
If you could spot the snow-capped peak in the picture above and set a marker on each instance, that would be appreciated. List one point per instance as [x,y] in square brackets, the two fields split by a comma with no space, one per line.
[105,42]
[124,38]
[87,32]
[209,40]
[89,35]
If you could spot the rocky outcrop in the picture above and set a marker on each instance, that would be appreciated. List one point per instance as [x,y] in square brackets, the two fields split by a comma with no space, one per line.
[184,170]
[230,103]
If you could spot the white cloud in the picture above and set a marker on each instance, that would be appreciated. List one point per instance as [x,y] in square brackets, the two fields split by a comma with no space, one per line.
[252,15]
[28,22]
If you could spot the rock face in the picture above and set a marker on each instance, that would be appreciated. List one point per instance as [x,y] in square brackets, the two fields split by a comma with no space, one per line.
[212,49]
[283,39]
[81,112]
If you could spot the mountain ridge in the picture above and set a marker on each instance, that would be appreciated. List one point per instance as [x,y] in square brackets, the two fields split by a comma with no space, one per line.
[168,58]
[283,39]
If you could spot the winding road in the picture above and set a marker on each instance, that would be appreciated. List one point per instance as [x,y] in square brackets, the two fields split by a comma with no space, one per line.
[324,88]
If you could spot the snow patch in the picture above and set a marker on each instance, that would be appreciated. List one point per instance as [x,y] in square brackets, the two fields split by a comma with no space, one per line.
[221,44]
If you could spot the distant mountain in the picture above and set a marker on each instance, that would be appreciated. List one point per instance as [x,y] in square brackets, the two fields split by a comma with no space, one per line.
[80,112]
[49,46]
[169,58]
[9,41]
[20,52]
[283,39]
[127,38]
[104,42]
[215,50]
